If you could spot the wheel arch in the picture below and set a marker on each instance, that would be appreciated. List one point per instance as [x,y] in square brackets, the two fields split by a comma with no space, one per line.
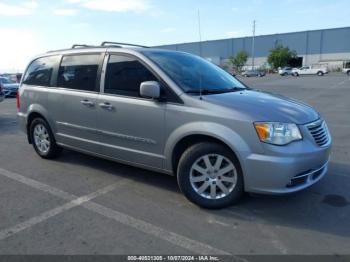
[36,111]
[180,140]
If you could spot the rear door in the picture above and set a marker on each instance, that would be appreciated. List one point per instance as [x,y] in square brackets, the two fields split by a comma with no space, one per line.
[131,127]
[73,103]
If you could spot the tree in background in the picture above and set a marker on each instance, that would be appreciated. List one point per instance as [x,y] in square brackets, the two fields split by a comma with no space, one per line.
[280,56]
[239,60]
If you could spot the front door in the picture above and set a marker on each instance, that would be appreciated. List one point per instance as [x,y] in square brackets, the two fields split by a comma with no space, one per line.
[131,127]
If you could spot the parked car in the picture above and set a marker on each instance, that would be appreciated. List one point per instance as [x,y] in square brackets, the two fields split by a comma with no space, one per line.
[310,70]
[346,69]
[174,113]
[285,71]
[232,72]
[9,88]
[252,73]
[2,95]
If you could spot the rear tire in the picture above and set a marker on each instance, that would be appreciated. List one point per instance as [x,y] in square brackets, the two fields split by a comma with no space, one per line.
[348,73]
[320,73]
[295,74]
[210,176]
[43,140]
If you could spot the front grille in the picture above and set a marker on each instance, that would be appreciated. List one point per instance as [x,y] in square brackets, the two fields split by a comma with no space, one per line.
[319,132]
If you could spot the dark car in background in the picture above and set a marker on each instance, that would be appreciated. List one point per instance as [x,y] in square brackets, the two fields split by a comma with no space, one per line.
[9,87]
[2,95]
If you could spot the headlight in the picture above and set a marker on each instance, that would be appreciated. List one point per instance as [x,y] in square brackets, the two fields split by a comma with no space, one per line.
[277,133]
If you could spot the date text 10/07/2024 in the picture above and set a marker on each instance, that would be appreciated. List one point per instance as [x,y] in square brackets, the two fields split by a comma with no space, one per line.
[173,258]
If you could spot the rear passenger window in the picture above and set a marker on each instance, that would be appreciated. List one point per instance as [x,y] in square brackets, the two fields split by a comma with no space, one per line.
[79,72]
[124,76]
[39,72]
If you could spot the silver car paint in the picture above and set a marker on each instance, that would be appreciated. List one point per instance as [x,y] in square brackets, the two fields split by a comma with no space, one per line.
[144,132]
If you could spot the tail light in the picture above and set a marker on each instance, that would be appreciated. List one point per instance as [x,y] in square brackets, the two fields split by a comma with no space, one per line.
[18,101]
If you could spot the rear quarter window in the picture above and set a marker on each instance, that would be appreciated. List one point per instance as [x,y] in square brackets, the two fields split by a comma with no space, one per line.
[39,72]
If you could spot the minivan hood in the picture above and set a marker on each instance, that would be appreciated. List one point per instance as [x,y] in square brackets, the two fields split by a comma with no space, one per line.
[262,106]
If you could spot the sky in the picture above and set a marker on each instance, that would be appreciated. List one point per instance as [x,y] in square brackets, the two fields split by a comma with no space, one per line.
[30,27]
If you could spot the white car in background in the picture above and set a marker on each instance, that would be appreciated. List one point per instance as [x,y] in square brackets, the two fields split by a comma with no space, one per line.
[346,69]
[285,71]
[310,70]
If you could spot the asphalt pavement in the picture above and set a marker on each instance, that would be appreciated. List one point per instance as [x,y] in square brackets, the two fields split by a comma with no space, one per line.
[78,204]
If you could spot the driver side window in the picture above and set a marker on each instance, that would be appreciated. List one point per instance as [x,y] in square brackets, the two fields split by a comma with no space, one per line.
[124,76]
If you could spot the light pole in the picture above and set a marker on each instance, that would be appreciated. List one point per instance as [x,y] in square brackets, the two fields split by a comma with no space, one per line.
[253,45]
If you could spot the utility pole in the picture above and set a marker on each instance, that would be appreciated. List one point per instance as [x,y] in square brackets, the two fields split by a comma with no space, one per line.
[253,45]
[200,33]
[200,53]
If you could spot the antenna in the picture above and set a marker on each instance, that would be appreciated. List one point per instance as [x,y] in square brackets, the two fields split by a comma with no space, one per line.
[200,52]
[253,45]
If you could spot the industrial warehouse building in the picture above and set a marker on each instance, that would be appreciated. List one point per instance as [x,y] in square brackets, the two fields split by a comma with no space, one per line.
[328,47]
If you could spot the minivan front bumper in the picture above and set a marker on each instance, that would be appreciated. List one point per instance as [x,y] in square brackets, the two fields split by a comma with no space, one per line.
[287,169]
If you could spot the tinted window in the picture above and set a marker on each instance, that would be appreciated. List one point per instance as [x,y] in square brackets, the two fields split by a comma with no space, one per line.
[40,71]
[192,73]
[79,72]
[124,76]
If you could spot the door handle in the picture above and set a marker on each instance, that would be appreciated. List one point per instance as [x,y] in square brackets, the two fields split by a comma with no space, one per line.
[106,106]
[88,103]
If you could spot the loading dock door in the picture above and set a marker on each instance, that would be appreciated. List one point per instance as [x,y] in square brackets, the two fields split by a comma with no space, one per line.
[296,62]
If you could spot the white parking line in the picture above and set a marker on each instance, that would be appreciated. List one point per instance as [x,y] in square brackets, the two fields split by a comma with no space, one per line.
[181,241]
[140,225]
[53,212]
[37,185]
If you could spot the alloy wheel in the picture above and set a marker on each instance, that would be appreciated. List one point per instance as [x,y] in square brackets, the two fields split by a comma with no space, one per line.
[213,176]
[41,138]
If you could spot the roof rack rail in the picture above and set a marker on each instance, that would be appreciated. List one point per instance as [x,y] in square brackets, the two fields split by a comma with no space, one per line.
[81,46]
[106,43]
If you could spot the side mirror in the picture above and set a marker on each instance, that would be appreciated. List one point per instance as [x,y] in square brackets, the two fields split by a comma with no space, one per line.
[150,89]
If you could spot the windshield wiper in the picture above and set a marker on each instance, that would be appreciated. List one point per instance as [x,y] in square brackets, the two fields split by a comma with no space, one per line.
[214,91]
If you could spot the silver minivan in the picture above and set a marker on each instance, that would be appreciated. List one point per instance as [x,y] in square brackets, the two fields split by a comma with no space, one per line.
[174,113]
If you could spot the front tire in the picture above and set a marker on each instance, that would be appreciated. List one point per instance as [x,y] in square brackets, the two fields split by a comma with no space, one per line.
[210,176]
[348,73]
[43,140]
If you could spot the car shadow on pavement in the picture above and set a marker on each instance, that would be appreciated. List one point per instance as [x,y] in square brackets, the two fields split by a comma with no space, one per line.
[117,169]
[324,208]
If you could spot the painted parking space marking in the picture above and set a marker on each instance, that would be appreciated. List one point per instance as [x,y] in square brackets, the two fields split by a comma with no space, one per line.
[6,233]
[85,201]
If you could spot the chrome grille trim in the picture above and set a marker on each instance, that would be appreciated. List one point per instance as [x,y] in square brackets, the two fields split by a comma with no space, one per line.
[319,132]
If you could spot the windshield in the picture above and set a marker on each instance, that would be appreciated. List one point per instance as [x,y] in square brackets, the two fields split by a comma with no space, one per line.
[193,73]
[4,80]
